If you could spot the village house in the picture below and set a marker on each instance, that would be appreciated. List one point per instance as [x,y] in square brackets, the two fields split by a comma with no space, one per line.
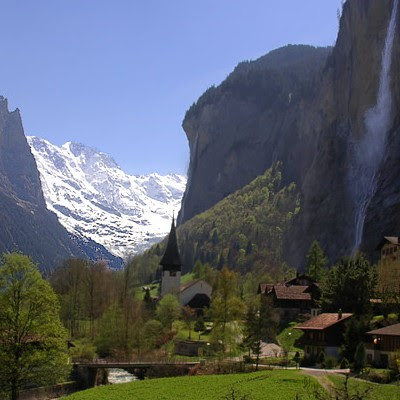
[384,342]
[389,248]
[389,265]
[196,294]
[293,297]
[323,332]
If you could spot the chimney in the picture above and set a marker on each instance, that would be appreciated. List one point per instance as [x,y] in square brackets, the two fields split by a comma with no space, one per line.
[340,314]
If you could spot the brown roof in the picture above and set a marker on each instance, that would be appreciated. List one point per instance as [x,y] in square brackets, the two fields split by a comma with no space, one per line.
[391,330]
[298,277]
[292,292]
[265,287]
[323,321]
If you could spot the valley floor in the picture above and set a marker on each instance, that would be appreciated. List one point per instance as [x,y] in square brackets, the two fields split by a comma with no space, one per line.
[280,385]
[271,385]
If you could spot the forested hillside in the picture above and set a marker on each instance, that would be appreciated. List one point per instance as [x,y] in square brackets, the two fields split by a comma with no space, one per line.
[244,231]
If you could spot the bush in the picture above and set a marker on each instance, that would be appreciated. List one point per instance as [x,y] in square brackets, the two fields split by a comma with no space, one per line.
[378,375]
[344,364]
[247,359]
[392,318]
[330,362]
[83,350]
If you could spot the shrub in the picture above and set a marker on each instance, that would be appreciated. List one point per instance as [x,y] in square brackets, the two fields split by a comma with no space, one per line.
[378,376]
[83,350]
[344,364]
[392,318]
[330,362]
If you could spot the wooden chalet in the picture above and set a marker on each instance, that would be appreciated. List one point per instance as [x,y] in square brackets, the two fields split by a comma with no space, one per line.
[323,332]
[389,248]
[297,295]
[382,344]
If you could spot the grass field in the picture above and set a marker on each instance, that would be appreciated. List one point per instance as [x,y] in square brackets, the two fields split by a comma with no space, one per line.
[289,337]
[378,391]
[279,385]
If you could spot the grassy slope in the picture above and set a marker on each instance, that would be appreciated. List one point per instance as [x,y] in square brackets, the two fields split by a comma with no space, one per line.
[289,338]
[280,385]
[378,391]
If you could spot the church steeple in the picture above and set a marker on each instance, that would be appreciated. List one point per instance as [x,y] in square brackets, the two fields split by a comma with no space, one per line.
[171,260]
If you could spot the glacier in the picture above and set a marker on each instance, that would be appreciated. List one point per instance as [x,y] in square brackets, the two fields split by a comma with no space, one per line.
[94,198]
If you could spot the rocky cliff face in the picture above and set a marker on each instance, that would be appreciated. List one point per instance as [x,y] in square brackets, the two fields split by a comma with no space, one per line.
[26,224]
[238,129]
[307,107]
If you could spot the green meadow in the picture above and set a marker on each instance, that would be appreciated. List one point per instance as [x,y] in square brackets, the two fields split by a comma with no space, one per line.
[280,385]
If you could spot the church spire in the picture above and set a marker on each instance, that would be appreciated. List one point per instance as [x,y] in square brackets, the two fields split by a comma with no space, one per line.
[171,260]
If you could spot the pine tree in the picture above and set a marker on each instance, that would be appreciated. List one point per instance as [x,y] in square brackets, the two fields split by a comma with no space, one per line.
[316,262]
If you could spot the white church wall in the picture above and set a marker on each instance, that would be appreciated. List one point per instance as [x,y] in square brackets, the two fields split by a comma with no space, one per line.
[199,287]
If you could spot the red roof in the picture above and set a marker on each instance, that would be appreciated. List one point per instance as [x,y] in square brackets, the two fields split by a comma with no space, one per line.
[391,330]
[292,292]
[323,321]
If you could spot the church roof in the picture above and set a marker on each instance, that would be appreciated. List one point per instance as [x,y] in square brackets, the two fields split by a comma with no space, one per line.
[171,260]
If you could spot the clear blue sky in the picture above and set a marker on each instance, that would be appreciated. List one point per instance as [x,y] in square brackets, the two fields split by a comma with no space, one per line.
[119,75]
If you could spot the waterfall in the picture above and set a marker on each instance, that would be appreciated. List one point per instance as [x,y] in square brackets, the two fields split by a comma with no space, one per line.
[369,150]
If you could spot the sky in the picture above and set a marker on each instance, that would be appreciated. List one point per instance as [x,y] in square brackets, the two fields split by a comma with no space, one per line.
[119,75]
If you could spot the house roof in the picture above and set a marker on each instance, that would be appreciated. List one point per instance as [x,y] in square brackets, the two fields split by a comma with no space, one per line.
[323,321]
[293,292]
[298,277]
[388,239]
[391,330]
[191,283]
[188,284]
[265,288]
[171,260]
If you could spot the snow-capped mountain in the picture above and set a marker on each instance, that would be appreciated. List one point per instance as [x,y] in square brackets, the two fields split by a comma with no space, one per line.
[93,197]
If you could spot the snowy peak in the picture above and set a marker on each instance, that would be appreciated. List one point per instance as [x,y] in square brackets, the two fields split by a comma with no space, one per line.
[94,198]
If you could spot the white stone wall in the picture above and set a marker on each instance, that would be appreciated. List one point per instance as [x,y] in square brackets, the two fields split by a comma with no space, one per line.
[170,283]
[199,287]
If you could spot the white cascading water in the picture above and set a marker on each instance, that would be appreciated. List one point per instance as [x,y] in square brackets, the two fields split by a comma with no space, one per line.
[369,151]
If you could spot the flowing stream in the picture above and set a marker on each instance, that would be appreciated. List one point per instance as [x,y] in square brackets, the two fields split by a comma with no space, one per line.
[116,375]
[369,150]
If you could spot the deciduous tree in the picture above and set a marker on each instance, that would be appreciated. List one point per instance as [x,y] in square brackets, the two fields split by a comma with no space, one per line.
[33,344]
[168,310]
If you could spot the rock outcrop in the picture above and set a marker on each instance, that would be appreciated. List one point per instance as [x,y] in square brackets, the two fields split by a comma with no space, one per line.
[25,223]
[305,107]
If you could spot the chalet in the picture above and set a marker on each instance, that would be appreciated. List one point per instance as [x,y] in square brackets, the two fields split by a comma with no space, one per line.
[323,332]
[196,294]
[389,268]
[382,344]
[389,248]
[297,295]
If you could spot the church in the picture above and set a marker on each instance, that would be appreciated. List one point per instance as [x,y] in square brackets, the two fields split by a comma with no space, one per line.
[197,293]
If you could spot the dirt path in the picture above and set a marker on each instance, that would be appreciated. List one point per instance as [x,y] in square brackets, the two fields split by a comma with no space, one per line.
[322,378]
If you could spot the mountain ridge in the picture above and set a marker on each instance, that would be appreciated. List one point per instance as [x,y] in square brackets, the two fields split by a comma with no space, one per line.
[94,198]
[27,225]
